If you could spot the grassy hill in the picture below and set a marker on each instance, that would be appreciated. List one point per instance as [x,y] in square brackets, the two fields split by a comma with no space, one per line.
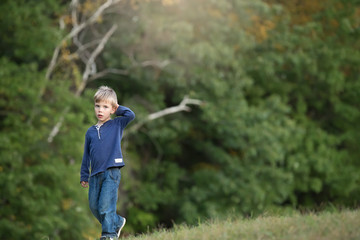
[344,225]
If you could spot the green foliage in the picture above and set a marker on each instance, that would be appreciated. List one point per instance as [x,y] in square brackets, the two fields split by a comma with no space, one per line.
[278,126]
[313,72]
[18,21]
[268,132]
[39,194]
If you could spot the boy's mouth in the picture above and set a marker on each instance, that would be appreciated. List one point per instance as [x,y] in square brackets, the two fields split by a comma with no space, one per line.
[100,115]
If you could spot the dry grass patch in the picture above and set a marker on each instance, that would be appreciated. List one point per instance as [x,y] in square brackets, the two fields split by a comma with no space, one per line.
[324,226]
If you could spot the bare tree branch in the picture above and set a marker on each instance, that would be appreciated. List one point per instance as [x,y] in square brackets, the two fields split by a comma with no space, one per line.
[89,69]
[89,65]
[107,71]
[74,5]
[92,19]
[147,63]
[89,59]
[155,63]
[55,130]
[181,107]
[152,63]
[167,111]
[82,48]
[75,30]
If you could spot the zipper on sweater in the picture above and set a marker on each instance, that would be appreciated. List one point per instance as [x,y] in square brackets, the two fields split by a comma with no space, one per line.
[98,130]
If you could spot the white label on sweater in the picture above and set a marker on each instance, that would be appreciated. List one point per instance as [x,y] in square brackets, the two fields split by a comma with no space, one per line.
[118,160]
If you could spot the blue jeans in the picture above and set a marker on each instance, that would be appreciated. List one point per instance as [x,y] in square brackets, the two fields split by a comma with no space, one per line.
[103,193]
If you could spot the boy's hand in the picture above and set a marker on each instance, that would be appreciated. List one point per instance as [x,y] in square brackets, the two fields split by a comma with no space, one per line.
[84,184]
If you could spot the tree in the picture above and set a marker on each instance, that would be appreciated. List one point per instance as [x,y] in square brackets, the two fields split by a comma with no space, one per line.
[272,94]
[38,195]
[307,61]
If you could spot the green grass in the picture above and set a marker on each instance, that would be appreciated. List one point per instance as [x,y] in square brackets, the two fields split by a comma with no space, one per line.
[323,226]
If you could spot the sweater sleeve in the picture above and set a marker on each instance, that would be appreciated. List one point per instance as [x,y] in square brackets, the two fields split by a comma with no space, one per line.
[125,114]
[85,165]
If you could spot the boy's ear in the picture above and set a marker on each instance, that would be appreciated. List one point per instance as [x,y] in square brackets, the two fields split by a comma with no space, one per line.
[113,110]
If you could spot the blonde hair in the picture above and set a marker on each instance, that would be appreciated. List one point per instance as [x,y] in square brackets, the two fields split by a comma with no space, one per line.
[107,94]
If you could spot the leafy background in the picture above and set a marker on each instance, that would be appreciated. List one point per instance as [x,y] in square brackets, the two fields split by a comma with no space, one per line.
[278,126]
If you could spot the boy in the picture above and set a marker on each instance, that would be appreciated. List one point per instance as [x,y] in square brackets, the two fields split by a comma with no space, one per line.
[103,159]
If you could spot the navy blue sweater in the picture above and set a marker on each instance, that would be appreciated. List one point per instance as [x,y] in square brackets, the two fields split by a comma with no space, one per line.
[102,148]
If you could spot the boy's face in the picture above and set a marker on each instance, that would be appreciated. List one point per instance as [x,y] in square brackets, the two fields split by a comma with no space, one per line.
[103,111]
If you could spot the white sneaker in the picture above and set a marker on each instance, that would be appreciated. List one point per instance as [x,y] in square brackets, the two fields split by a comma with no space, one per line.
[107,238]
[121,227]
